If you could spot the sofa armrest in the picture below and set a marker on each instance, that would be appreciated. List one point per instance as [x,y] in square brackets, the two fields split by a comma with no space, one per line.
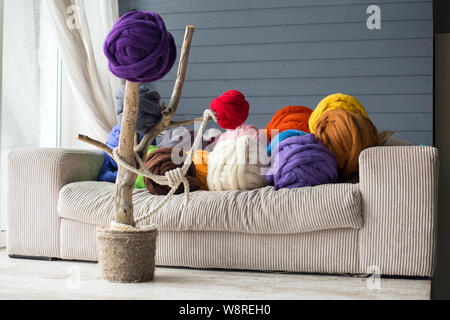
[35,177]
[399,193]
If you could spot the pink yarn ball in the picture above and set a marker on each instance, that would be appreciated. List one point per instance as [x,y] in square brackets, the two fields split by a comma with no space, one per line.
[243,130]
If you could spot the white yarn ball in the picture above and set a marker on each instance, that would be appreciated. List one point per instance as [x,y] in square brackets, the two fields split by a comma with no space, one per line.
[236,165]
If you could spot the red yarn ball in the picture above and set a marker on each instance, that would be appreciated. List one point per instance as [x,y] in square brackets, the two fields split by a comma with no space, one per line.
[231,108]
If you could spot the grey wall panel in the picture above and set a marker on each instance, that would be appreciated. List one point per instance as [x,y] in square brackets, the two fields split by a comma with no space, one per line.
[165,6]
[308,68]
[420,103]
[309,33]
[301,86]
[422,47]
[295,52]
[295,16]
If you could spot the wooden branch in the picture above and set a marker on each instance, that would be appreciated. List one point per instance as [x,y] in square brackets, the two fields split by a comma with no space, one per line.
[186,122]
[123,199]
[95,143]
[169,112]
[182,67]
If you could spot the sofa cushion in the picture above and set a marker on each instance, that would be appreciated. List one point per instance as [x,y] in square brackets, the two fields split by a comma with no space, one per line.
[261,211]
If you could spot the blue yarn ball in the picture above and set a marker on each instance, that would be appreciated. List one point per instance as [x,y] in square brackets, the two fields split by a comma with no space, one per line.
[108,171]
[281,136]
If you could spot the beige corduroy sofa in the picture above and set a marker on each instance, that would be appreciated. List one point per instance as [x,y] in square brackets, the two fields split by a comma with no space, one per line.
[383,224]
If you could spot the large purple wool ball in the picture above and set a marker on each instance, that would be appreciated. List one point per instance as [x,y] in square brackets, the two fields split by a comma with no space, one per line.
[139,48]
[301,161]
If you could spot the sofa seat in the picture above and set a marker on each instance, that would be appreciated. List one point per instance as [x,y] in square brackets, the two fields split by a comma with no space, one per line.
[260,211]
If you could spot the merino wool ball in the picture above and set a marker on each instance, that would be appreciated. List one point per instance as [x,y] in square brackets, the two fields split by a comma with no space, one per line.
[333,102]
[149,108]
[159,162]
[281,136]
[200,160]
[236,164]
[290,117]
[183,138]
[139,48]
[140,184]
[301,161]
[243,130]
[108,171]
[231,108]
[346,134]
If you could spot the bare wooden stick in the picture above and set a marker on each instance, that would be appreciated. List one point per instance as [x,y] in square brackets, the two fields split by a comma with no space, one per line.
[169,112]
[95,143]
[182,67]
[186,122]
[123,200]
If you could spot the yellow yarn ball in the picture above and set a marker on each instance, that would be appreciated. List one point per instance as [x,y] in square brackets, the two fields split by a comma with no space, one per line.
[332,102]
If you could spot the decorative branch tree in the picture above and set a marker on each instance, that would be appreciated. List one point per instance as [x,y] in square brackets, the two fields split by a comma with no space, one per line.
[131,151]
[121,249]
[127,252]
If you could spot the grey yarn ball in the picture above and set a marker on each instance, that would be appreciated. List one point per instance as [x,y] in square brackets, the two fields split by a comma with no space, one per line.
[149,108]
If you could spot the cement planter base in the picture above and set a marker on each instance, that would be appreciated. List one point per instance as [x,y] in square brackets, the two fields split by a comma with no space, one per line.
[126,256]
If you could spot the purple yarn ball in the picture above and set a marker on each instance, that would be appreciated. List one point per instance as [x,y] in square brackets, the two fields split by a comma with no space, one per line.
[301,161]
[139,48]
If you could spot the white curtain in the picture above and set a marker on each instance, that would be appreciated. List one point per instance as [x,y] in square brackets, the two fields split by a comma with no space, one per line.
[80,28]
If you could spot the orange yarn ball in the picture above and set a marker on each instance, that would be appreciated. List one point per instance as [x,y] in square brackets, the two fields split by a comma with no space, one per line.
[200,160]
[290,117]
[346,134]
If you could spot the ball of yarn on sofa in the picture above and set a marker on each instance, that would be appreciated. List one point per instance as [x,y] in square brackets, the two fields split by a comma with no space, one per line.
[301,161]
[290,117]
[108,171]
[200,160]
[281,136]
[231,108]
[243,130]
[236,165]
[182,138]
[113,137]
[346,134]
[139,48]
[159,162]
[149,108]
[333,102]
[140,184]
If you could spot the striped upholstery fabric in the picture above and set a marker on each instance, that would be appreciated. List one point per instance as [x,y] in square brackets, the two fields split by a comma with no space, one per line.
[389,220]
[35,177]
[85,248]
[399,188]
[261,211]
[329,251]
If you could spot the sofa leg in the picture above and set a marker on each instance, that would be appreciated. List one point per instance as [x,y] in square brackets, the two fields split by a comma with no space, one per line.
[18,256]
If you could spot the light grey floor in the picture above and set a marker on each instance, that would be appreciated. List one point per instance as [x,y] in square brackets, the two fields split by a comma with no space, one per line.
[31,279]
